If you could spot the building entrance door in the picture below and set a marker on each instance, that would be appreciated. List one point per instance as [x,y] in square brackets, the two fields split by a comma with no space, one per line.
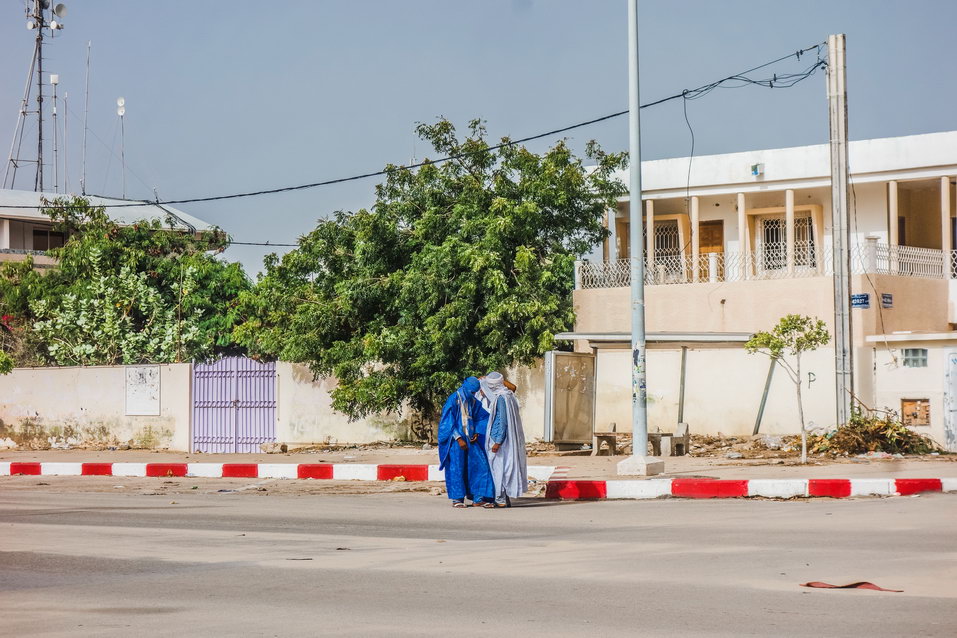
[234,405]
[711,248]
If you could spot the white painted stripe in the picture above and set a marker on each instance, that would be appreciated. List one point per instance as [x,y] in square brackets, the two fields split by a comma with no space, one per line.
[350,472]
[129,469]
[4,469]
[205,470]
[873,487]
[777,488]
[948,484]
[435,474]
[279,470]
[61,469]
[540,472]
[652,488]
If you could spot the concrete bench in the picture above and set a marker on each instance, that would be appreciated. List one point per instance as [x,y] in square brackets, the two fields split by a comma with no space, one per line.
[611,438]
[670,444]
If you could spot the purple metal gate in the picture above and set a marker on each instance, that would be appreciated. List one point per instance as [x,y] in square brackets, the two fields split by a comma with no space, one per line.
[234,405]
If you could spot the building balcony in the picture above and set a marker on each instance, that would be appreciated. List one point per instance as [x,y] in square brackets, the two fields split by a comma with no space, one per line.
[800,262]
[40,258]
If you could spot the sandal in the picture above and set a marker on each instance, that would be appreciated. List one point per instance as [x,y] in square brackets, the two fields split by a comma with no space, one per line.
[458,504]
[488,506]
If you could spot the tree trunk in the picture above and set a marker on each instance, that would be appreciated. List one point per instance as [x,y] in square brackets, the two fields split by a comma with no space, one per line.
[801,410]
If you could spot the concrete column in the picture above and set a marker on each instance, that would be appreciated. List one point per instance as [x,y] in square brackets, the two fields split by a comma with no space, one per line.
[4,233]
[743,236]
[650,233]
[892,236]
[945,243]
[611,216]
[695,240]
[892,213]
[870,255]
[789,224]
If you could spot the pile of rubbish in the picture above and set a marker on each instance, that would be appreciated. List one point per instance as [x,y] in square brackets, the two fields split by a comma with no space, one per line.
[875,436]
[759,446]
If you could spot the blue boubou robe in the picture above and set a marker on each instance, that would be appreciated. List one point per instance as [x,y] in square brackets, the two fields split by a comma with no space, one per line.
[467,473]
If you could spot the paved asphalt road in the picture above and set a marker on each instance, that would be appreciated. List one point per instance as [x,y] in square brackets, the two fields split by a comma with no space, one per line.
[255,563]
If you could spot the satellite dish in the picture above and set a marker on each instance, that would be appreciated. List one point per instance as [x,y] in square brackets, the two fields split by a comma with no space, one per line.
[121,111]
[60,10]
[120,101]
[45,4]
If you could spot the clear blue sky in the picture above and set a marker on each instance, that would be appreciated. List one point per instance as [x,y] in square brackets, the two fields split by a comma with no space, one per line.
[242,95]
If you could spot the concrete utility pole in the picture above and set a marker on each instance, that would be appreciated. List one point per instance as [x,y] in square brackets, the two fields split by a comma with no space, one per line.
[639,463]
[837,115]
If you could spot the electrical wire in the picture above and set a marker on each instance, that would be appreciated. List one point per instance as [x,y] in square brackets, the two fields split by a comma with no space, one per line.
[783,81]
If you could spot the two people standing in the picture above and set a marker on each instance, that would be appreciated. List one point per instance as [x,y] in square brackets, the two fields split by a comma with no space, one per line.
[482,444]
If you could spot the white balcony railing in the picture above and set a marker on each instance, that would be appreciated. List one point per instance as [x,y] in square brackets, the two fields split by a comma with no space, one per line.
[805,261]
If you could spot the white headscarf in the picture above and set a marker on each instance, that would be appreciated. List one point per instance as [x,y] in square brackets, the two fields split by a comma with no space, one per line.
[508,465]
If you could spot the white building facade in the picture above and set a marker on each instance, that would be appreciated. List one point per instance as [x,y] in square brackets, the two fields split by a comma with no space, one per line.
[736,241]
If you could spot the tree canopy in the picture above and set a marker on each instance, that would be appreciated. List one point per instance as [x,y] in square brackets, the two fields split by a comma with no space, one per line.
[140,293]
[460,267]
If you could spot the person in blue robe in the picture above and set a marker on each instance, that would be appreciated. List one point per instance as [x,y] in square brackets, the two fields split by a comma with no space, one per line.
[462,456]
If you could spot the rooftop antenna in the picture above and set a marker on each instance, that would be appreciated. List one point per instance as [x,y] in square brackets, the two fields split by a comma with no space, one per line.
[86,113]
[66,155]
[121,111]
[40,17]
[54,81]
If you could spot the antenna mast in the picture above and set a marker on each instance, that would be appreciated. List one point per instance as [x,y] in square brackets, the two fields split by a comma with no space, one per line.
[36,19]
[86,114]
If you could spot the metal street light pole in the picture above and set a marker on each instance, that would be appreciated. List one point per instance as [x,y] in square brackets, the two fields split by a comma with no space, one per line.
[639,463]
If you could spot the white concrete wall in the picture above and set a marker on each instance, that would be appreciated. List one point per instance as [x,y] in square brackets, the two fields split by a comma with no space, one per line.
[87,405]
[723,388]
[304,413]
[530,392]
[894,382]
[867,159]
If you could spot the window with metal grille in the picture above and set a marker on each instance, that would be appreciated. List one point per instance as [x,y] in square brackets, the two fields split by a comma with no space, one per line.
[915,357]
[667,247]
[774,247]
[774,243]
[804,242]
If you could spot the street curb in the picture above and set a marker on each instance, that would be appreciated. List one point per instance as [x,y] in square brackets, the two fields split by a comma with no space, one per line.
[330,471]
[572,490]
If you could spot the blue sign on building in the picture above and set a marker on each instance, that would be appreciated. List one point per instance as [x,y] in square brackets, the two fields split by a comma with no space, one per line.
[887,300]
[861,300]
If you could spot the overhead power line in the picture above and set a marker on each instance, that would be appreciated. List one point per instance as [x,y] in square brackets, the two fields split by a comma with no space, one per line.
[736,80]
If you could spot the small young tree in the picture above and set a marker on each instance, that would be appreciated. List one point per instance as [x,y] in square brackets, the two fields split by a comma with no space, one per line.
[793,335]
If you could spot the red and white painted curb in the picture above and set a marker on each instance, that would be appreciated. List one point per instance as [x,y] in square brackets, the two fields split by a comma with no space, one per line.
[557,486]
[572,490]
[331,471]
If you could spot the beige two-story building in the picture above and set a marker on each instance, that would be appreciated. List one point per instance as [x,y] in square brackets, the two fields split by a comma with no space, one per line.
[736,241]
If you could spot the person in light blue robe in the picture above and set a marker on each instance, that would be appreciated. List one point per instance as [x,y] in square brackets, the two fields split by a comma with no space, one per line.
[505,444]
[462,456]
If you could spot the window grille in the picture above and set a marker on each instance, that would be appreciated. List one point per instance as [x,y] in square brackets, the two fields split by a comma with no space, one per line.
[667,250]
[774,246]
[774,243]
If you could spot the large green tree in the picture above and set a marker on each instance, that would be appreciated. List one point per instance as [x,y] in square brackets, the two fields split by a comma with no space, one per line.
[149,292]
[460,267]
